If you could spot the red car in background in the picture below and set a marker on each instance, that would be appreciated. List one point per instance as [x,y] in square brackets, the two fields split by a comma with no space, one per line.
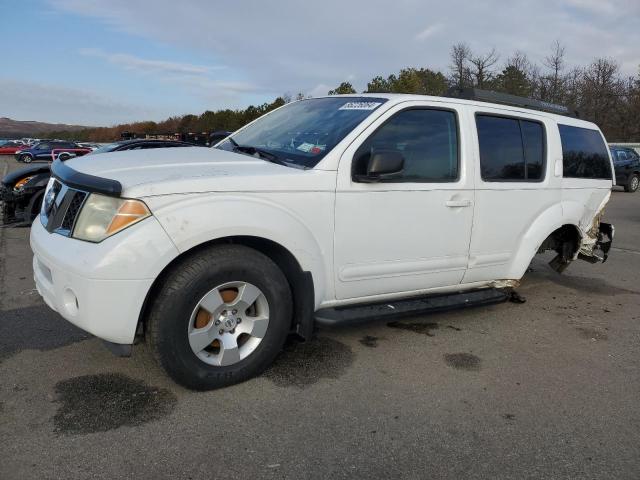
[11,147]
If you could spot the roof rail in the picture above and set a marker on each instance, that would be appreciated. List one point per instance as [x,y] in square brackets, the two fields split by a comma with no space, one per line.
[479,95]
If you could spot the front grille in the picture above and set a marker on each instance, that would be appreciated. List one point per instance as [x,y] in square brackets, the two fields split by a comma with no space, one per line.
[73,209]
[61,207]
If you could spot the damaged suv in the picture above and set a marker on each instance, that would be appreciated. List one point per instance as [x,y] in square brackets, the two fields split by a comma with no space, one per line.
[325,211]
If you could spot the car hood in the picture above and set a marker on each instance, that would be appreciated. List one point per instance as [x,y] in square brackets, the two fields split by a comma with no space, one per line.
[164,171]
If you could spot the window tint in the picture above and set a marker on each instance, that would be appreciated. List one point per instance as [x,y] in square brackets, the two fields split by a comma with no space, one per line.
[584,154]
[426,138]
[511,149]
[43,146]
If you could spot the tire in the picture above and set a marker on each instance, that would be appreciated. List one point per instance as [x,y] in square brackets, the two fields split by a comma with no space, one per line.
[176,310]
[35,205]
[26,158]
[632,183]
[64,156]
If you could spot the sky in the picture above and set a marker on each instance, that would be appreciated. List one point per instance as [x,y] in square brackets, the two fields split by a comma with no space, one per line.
[102,62]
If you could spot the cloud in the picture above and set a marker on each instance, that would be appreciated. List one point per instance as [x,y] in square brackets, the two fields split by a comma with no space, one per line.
[200,80]
[430,31]
[283,45]
[320,90]
[132,62]
[52,103]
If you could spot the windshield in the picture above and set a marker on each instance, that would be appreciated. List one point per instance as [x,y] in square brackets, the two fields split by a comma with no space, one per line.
[302,133]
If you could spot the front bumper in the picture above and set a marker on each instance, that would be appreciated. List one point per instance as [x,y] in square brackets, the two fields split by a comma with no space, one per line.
[100,288]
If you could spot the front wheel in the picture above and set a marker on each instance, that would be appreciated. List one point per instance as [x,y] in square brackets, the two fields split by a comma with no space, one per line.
[220,317]
[632,183]
[26,158]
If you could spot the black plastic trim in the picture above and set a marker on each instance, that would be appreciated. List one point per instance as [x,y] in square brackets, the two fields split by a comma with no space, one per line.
[363,313]
[83,181]
[118,349]
[479,95]
[304,306]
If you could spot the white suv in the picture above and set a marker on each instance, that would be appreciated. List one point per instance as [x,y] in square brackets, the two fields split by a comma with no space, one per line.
[327,210]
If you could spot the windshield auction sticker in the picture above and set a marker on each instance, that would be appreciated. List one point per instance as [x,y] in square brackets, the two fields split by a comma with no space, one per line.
[360,105]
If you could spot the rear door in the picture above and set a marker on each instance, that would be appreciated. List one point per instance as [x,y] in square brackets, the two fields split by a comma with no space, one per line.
[410,232]
[514,185]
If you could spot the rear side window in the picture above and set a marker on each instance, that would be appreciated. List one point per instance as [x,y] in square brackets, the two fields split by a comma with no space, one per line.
[511,149]
[584,154]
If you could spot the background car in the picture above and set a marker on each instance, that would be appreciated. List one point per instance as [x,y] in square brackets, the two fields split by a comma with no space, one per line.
[42,151]
[218,136]
[92,146]
[140,144]
[21,191]
[11,147]
[626,162]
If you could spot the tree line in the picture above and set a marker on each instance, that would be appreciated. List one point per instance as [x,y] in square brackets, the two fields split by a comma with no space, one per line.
[599,91]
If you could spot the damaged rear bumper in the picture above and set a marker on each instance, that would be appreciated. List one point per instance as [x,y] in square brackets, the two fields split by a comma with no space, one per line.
[596,244]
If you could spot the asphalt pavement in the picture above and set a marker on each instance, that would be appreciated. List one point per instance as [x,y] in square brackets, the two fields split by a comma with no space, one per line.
[545,389]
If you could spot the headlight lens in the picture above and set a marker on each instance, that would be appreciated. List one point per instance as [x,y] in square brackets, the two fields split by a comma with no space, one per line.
[21,183]
[103,216]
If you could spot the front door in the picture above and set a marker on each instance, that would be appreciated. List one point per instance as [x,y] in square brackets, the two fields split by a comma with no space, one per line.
[411,231]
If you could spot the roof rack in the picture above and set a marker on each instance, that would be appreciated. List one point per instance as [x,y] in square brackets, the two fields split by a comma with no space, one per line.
[477,94]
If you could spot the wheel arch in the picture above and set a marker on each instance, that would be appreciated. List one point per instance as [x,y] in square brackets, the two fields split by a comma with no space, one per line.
[301,282]
[554,223]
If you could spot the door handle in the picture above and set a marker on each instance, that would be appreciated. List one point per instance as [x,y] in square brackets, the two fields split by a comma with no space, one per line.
[458,203]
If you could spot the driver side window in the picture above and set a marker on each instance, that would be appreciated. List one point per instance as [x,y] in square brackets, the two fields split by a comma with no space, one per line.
[426,138]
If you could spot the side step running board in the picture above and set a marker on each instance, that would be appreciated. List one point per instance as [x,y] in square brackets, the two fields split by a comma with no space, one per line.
[355,314]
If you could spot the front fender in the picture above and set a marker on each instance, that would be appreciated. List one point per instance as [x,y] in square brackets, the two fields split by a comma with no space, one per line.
[303,225]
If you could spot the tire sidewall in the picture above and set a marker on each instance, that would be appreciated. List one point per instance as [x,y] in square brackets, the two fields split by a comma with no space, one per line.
[175,311]
[35,205]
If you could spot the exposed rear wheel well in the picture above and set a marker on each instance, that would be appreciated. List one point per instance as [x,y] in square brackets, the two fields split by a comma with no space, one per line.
[565,241]
[300,282]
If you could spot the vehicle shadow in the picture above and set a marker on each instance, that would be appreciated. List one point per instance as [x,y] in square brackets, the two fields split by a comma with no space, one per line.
[35,328]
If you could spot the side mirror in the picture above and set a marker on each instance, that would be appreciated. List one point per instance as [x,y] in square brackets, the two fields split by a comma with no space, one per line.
[383,164]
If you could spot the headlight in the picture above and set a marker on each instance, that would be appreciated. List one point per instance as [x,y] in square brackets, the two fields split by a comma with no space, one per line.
[102,216]
[21,183]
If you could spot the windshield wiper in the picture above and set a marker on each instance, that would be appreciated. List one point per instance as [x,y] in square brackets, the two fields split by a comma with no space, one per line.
[266,155]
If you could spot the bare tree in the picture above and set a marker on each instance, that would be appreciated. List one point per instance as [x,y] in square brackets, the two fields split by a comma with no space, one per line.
[482,67]
[519,61]
[555,81]
[602,91]
[460,74]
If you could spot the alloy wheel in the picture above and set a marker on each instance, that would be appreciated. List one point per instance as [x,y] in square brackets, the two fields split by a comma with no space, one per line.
[228,323]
